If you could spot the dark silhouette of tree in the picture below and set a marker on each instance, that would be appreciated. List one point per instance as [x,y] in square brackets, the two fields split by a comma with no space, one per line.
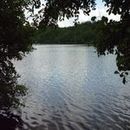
[116,34]
[10,95]
[59,9]
[15,40]
[93,19]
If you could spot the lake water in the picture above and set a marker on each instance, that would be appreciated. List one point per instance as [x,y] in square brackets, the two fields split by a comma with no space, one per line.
[71,88]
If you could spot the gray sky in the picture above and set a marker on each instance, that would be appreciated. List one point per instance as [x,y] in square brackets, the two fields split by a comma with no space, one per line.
[99,12]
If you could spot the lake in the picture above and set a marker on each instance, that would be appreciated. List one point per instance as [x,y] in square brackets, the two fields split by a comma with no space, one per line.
[71,88]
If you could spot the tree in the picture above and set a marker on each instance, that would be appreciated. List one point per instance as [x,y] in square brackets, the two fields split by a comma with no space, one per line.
[14,35]
[121,7]
[116,34]
[55,10]
[93,19]
[15,41]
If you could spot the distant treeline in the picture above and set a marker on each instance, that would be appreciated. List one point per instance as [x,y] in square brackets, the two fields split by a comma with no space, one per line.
[84,33]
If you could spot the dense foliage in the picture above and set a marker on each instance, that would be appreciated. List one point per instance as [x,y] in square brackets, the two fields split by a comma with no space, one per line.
[14,31]
[55,10]
[79,34]
[15,40]
[117,35]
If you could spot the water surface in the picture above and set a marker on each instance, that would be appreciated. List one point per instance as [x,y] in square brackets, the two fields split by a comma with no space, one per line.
[71,88]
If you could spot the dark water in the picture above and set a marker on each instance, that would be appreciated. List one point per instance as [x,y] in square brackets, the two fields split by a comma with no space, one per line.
[71,88]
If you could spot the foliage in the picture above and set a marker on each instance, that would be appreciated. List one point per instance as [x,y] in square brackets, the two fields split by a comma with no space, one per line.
[116,35]
[10,91]
[121,7]
[55,10]
[15,40]
[79,34]
[10,95]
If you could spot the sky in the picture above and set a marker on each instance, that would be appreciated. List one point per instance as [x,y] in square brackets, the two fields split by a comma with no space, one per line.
[99,12]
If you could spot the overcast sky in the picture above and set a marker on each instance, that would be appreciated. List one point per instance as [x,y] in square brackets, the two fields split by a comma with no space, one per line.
[99,12]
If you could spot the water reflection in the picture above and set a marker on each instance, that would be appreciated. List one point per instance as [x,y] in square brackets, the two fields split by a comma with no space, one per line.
[71,88]
[10,96]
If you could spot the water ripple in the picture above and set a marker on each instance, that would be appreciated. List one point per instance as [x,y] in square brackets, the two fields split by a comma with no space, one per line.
[70,88]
